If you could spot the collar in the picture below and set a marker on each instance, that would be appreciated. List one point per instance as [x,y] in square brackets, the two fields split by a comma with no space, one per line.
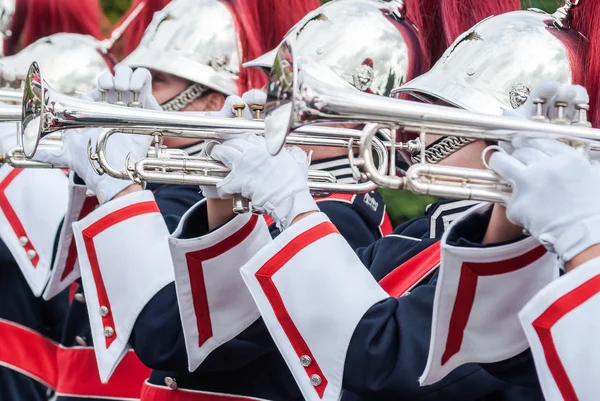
[441,214]
[339,166]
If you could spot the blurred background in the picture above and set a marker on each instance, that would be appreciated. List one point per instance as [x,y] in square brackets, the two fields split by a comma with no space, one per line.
[402,206]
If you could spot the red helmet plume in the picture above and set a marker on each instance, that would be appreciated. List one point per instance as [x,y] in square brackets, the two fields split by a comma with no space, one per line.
[262,24]
[426,15]
[81,16]
[586,21]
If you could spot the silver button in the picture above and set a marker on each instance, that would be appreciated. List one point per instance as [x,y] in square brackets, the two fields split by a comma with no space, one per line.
[171,383]
[80,340]
[305,360]
[24,240]
[104,311]
[79,297]
[315,380]
[109,331]
[31,254]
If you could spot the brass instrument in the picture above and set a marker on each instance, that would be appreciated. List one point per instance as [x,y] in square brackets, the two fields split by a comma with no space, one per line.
[46,111]
[296,97]
[11,96]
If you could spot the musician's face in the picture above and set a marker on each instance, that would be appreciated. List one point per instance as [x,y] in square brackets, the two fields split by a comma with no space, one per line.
[166,86]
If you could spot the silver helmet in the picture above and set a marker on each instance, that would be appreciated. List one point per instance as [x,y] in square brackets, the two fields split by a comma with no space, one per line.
[369,44]
[195,40]
[81,60]
[494,65]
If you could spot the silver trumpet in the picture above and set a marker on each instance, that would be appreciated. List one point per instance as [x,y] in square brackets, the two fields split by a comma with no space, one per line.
[296,97]
[11,96]
[46,111]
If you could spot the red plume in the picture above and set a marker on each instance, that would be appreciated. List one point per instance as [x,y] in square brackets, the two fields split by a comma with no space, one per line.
[135,31]
[81,16]
[426,15]
[460,15]
[261,25]
[586,21]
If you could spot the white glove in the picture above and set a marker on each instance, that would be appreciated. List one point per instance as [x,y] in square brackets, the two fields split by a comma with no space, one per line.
[552,92]
[555,194]
[277,184]
[127,82]
[252,97]
[73,155]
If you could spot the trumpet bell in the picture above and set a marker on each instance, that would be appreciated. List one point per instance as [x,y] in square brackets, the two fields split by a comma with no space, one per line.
[281,98]
[33,111]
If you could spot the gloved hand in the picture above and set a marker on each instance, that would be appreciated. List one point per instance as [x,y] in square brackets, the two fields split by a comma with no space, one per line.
[277,184]
[252,97]
[555,194]
[553,92]
[73,155]
[125,81]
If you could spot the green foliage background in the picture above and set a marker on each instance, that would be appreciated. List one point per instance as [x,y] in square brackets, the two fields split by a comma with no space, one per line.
[401,205]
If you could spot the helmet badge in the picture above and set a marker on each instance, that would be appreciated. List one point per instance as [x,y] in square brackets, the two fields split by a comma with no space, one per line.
[518,94]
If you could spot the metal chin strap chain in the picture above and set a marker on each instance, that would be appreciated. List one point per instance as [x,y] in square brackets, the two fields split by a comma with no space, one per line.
[184,98]
[442,149]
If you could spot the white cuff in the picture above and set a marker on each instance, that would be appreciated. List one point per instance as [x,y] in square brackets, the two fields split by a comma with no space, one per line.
[284,214]
[214,303]
[578,238]
[109,187]
[562,327]
[312,290]
[65,269]
[478,295]
[124,259]
[32,205]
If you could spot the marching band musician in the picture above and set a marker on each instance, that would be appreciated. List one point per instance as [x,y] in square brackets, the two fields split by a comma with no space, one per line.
[554,198]
[192,49]
[369,337]
[31,327]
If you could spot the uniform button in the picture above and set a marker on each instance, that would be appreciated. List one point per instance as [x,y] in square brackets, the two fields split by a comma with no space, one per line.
[31,254]
[315,380]
[104,311]
[109,331]
[305,360]
[24,241]
[79,297]
[80,340]
[171,383]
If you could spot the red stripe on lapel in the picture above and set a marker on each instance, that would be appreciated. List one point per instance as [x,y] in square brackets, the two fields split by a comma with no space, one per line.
[411,272]
[11,215]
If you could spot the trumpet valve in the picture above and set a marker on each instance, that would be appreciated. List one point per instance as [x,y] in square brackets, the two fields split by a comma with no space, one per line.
[135,102]
[539,111]
[257,109]
[120,101]
[560,118]
[239,109]
[581,119]
[102,95]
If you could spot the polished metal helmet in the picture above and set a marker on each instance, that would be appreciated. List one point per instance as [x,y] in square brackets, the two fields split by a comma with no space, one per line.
[368,43]
[7,10]
[195,40]
[494,65]
[71,62]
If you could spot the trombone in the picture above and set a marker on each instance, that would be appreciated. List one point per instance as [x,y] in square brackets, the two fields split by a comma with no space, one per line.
[296,97]
[45,111]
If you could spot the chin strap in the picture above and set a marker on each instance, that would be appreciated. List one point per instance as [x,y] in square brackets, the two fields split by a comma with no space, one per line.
[441,149]
[184,98]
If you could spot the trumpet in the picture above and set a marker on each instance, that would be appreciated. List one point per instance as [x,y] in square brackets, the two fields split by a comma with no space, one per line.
[46,111]
[11,96]
[296,97]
